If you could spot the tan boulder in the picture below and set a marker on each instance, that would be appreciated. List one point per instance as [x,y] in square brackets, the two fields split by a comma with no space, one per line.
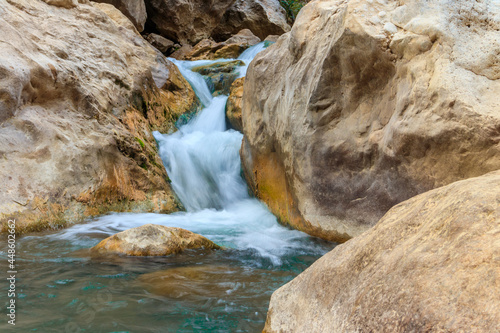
[134,10]
[186,21]
[76,114]
[233,105]
[152,240]
[262,17]
[366,104]
[190,21]
[431,264]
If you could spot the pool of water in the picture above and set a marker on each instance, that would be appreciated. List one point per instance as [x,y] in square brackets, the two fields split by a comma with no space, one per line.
[62,289]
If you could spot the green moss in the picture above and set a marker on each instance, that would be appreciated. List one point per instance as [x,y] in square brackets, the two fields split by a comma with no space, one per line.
[140,142]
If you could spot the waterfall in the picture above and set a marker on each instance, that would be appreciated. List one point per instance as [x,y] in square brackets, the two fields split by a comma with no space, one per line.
[202,158]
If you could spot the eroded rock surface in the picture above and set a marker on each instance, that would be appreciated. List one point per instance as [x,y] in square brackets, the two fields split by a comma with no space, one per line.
[366,104]
[429,265]
[186,21]
[152,240]
[190,21]
[135,10]
[80,92]
[262,17]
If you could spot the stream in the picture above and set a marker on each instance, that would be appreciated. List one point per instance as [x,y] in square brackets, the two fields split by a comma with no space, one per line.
[61,289]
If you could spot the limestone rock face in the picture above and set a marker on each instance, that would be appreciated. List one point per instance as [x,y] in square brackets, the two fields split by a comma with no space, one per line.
[135,10]
[262,17]
[430,265]
[233,105]
[186,21]
[366,104]
[80,92]
[190,21]
[152,240]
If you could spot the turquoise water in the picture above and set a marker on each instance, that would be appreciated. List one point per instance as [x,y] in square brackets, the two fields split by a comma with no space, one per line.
[61,289]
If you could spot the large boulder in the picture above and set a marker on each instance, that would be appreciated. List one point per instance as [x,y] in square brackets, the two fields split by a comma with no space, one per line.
[430,265]
[190,21]
[152,240]
[80,92]
[135,10]
[366,104]
[186,21]
[262,17]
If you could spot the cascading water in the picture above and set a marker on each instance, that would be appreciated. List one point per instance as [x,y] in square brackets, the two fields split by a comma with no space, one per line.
[62,289]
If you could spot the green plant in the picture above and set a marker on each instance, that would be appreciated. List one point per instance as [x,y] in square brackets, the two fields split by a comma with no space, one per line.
[140,142]
[292,8]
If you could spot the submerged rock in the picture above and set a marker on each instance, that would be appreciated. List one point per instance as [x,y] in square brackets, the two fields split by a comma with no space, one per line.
[233,106]
[152,240]
[431,264]
[221,75]
[194,283]
[344,117]
[80,92]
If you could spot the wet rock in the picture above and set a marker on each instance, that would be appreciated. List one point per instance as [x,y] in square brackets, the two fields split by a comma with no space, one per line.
[135,10]
[221,75]
[161,43]
[152,240]
[210,49]
[233,106]
[343,119]
[429,265]
[77,112]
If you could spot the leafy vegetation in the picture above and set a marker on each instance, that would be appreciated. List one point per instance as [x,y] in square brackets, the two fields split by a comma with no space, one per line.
[292,8]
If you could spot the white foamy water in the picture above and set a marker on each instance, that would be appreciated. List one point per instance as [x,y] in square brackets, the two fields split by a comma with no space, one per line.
[202,160]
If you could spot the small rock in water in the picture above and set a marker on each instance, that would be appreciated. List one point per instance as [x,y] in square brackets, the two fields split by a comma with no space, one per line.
[221,75]
[152,240]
